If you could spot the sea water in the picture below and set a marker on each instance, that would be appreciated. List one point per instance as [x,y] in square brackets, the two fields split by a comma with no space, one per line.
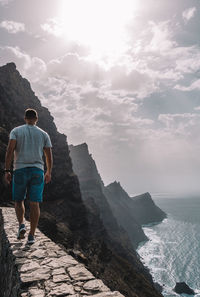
[172,253]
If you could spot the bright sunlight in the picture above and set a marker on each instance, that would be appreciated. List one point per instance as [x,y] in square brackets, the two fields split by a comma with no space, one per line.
[98,24]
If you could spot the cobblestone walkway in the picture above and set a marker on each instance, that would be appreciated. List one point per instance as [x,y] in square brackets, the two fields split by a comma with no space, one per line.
[46,270]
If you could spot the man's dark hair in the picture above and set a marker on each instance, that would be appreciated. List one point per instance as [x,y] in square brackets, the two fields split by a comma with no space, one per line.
[31,114]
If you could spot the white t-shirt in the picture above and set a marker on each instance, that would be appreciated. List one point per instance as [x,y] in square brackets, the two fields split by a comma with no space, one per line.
[31,141]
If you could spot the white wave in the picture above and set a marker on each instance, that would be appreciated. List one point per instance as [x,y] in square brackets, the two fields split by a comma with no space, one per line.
[171,254]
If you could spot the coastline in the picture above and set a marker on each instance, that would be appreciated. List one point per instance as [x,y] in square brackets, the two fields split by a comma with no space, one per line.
[168,254]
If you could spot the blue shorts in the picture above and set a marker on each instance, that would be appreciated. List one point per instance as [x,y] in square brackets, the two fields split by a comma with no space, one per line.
[28,181]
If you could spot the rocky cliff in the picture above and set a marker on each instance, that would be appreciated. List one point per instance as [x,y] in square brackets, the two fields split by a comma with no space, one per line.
[142,207]
[64,217]
[145,210]
[92,186]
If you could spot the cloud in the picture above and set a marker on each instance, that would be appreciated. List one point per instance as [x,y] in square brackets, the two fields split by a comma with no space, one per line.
[188,14]
[32,68]
[194,86]
[12,27]
[97,112]
[162,37]
[184,125]
[138,83]
[159,59]
[159,63]
[123,78]
[188,59]
[76,68]
[53,26]
[153,58]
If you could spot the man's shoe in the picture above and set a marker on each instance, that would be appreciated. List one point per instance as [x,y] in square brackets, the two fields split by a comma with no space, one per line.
[21,231]
[31,239]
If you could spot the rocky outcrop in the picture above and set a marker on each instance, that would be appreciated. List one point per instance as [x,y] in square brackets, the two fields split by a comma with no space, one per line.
[92,186]
[92,190]
[145,210]
[142,207]
[124,214]
[114,204]
[183,288]
[42,269]
[64,217]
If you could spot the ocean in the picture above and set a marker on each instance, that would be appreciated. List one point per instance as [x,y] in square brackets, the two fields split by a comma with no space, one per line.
[172,253]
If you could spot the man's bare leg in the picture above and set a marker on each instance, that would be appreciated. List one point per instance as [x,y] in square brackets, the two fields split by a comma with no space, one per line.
[20,210]
[34,216]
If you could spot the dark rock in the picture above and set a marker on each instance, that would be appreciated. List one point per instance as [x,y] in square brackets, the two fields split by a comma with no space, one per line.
[142,208]
[183,288]
[145,210]
[119,201]
[158,287]
[113,214]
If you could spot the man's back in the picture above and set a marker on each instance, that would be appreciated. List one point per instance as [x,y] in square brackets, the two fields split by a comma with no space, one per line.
[30,141]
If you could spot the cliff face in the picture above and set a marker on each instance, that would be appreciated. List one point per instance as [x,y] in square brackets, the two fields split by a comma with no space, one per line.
[123,213]
[142,208]
[92,186]
[145,210]
[91,183]
[64,217]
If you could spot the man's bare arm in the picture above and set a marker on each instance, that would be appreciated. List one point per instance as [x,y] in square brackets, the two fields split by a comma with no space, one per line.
[49,163]
[9,157]
[9,153]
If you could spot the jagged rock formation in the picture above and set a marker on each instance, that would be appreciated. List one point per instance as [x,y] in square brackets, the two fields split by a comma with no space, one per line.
[42,269]
[117,218]
[124,214]
[92,190]
[92,186]
[113,202]
[142,208]
[64,217]
[145,210]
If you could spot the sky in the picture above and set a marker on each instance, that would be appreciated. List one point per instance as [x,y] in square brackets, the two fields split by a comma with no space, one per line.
[122,76]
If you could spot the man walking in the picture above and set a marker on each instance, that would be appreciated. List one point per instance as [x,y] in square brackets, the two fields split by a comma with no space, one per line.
[27,144]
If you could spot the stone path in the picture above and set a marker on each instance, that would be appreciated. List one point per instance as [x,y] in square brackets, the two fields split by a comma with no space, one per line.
[46,270]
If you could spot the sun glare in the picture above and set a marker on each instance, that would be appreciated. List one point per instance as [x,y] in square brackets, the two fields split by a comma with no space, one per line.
[98,24]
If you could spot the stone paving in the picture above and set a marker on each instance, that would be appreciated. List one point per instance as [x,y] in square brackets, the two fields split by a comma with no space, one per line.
[47,270]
